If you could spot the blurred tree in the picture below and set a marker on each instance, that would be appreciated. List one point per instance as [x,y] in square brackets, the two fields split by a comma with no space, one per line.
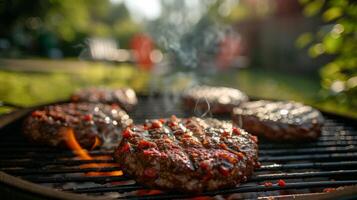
[337,38]
[41,25]
[123,27]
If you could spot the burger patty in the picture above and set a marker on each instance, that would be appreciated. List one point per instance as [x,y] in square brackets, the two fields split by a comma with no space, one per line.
[124,97]
[190,155]
[283,120]
[92,124]
[218,100]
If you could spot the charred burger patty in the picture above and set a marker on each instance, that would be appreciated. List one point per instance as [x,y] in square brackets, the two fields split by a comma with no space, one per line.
[91,123]
[190,154]
[124,97]
[282,120]
[218,100]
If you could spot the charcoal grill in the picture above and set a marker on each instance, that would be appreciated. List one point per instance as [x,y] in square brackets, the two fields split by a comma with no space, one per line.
[307,168]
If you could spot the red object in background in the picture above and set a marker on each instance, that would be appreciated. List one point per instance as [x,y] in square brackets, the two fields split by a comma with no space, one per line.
[229,49]
[142,45]
[281,183]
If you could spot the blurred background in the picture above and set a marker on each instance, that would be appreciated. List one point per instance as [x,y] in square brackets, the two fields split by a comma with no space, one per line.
[302,50]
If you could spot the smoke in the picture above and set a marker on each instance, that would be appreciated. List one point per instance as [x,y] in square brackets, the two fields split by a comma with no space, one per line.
[198,109]
[189,34]
[200,46]
[85,50]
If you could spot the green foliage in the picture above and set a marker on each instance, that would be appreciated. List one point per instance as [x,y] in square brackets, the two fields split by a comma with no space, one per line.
[338,39]
[66,18]
[40,25]
[304,39]
[313,7]
[332,14]
[96,18]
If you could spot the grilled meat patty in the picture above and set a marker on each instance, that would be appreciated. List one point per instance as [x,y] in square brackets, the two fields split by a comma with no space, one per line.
[219,100]
[190,155]
[124,97]
[91,124]
[282,120]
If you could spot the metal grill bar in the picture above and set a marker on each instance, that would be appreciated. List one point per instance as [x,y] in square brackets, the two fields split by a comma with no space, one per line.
[317,165]
[263,177]
[315,157]
[340,138]
[119,188]
[309,150]
[258,177]
[307,145]
[30,163]
[241,189]
[66,179]
[59,171]
[245,189]
[37,156]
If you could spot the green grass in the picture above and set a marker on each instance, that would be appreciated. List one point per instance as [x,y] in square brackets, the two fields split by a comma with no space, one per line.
[32,82]
[41,86]
[273,85]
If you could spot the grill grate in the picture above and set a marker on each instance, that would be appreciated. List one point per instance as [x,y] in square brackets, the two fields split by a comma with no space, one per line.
[307,168]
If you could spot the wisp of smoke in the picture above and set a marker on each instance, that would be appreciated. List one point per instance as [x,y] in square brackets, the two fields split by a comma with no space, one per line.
[85,50]
[198,109]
